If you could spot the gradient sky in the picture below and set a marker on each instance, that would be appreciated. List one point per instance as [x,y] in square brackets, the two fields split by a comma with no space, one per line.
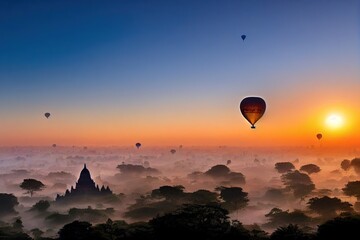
[174,72]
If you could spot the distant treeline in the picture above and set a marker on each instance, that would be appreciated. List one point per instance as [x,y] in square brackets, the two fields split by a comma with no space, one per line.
[192,221]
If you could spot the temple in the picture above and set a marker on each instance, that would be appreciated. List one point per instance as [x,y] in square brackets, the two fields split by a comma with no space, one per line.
[85,188]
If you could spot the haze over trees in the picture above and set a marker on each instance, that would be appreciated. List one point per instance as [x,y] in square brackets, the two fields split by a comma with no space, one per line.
[310,168]
[328,207]
[283,167]
[300,184]
[8,202]
[32,185]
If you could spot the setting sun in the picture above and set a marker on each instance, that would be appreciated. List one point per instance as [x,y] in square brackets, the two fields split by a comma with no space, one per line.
[335,120]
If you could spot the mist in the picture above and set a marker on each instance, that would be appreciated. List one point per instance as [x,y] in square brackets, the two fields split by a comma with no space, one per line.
[147,182]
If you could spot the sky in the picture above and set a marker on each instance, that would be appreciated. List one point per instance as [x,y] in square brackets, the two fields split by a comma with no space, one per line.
[174,72]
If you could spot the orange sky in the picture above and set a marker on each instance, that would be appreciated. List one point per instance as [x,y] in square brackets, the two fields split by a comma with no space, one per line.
[293,118]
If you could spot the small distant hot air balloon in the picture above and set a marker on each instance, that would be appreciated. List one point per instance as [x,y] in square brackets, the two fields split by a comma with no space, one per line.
[228,162]
[85,147]
[319,136]
[252,108]
[173,151]
[138,145]
[243,37]
[47,115]
[54,145]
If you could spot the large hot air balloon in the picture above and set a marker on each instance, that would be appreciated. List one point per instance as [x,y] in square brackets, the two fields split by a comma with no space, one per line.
[252,108]
[243,37]
[319,136]
[47,115]
[138,145]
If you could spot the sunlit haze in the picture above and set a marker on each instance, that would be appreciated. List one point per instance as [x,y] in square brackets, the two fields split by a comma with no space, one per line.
[179,119]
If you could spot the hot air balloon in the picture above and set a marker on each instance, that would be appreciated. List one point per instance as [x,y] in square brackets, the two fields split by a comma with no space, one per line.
[252,108]
[319,136]
[54,145]
[243,37]
[138,145]
[173,151]
[228,162]
[47,115]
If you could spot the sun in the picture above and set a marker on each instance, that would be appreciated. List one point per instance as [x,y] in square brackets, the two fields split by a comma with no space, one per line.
[334,121]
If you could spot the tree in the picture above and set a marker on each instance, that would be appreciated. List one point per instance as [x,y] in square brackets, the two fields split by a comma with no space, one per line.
[7,204]
[169,192]
[202,197]
[41,206]
[234,198]
[136,170]
[222,173]
[11,233]
[355,163]
[328,207]
[76,231]
[18,225]
[310,168]
[279,217]
[37,233]
[218,171]
[345,164]
[352,189]
[192,221]
[32,185]
[291,232]
[299,183]
[283,167]
[340,228]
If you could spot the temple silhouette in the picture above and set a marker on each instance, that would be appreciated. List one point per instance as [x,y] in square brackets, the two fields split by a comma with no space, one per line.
[85,189]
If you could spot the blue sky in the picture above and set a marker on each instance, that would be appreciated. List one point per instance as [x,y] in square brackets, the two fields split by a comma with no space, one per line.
[129,56]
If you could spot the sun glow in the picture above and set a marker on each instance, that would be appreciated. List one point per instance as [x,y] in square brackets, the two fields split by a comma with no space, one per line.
[335,121]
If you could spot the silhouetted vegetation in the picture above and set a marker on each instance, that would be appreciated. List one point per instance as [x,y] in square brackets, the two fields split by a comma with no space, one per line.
[310,168]
[221,174]
[7,204]
[196,221]
[283,167]
[291,232]
[234,198]
[136,170]
[40,206]
[345,164]
[166,199]
[32,185]
[328,207]
[352,189]
[355,163]
[278,217]
[299,183]
[340,228]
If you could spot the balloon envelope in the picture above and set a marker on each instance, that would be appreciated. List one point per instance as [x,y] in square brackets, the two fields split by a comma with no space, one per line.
[319,136]
[243,37]
[173,151]
[138,145]
[47,115]
[252,108]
